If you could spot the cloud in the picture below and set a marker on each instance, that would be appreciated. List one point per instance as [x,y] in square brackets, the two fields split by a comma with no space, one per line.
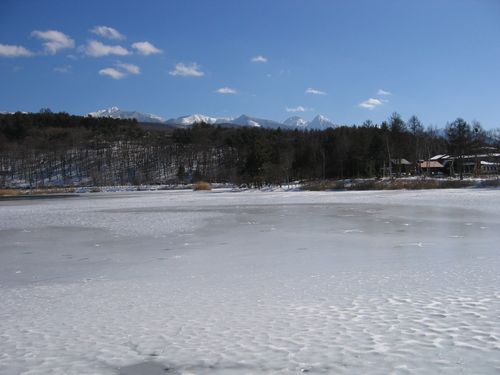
[371,103]
[189,70]
[98,49]
[226,90]
[121,70]
[383,92]
[54,40]
[7,50]
[298,109]
[146,48]
[107,32]
[315,92]
[259,59]
[128,68]
[112,72]
[63,69]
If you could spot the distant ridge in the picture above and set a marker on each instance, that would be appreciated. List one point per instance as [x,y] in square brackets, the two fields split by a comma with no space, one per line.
[115,112]
[198,119]
[317,123]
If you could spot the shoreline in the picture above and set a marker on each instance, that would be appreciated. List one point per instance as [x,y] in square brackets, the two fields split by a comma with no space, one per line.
[361,184]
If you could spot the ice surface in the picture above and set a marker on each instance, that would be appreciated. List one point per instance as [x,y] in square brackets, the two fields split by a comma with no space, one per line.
[251,282]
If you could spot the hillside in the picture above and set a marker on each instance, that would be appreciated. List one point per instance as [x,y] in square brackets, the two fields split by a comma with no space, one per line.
[58,149]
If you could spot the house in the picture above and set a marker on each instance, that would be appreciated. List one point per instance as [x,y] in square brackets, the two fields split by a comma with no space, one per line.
[477,164]
[488,167]
[397,167]
[400,167]
[431,167]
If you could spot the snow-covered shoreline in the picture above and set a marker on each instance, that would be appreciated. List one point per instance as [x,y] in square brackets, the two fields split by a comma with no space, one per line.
[350,184]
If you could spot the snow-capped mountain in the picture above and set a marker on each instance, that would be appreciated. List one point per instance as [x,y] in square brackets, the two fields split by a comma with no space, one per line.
[242,120]
[11,113]
[296,122]
[318,123]
[245,120]
[115,112]
[198,119]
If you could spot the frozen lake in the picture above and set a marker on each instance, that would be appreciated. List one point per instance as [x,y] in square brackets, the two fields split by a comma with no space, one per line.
[402,282]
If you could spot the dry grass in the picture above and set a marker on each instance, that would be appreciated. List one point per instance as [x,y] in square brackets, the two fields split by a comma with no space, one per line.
[396,184]
[37,191]
[10,192]
[53,190]
[428,184]
[202,185]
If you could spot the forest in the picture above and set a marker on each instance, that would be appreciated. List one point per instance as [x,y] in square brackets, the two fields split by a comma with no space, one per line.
[58,149]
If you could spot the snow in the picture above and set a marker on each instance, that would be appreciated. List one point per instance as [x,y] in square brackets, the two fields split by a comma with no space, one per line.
[318,123]
[115,112]
[194,119]
[296,121]
[251,282]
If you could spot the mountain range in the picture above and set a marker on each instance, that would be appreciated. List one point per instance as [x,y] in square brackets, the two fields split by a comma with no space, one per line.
[115,112]
[317,123]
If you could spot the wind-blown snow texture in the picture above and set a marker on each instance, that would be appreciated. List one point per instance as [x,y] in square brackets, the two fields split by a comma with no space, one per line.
[251,282]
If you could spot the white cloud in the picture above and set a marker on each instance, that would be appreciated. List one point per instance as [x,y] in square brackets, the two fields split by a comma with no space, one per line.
[383,92]
[315,92]
[107,32]
[260,59]
[226,90]
[298,109]
[97,49]
[112,72]
[121,70]
[63,69]
[371,103]
[189,70]
[7,50]
[54,40]
[146,48]
[128,68]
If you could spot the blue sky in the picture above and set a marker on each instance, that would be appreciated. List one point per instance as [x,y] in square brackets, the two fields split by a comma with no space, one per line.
[348,60]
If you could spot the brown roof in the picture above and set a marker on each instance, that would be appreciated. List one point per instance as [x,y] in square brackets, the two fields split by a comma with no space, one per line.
[430,164]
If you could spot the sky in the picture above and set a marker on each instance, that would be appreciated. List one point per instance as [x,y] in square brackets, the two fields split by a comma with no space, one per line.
[347,60]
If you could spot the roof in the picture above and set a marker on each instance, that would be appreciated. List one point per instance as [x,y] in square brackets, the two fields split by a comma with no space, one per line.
[430,164]
[437,157]
[492,155]
[471,156]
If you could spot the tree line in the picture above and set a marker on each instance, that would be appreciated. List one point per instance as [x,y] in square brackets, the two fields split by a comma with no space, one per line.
[45,148]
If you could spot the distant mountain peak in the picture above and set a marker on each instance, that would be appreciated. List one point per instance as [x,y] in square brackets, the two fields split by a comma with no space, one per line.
[321,118]
[296,121]
[115,112]
[319,122]
[189,120]
[245,120]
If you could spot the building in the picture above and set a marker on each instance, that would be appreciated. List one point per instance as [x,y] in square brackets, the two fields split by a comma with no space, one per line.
[470,165]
